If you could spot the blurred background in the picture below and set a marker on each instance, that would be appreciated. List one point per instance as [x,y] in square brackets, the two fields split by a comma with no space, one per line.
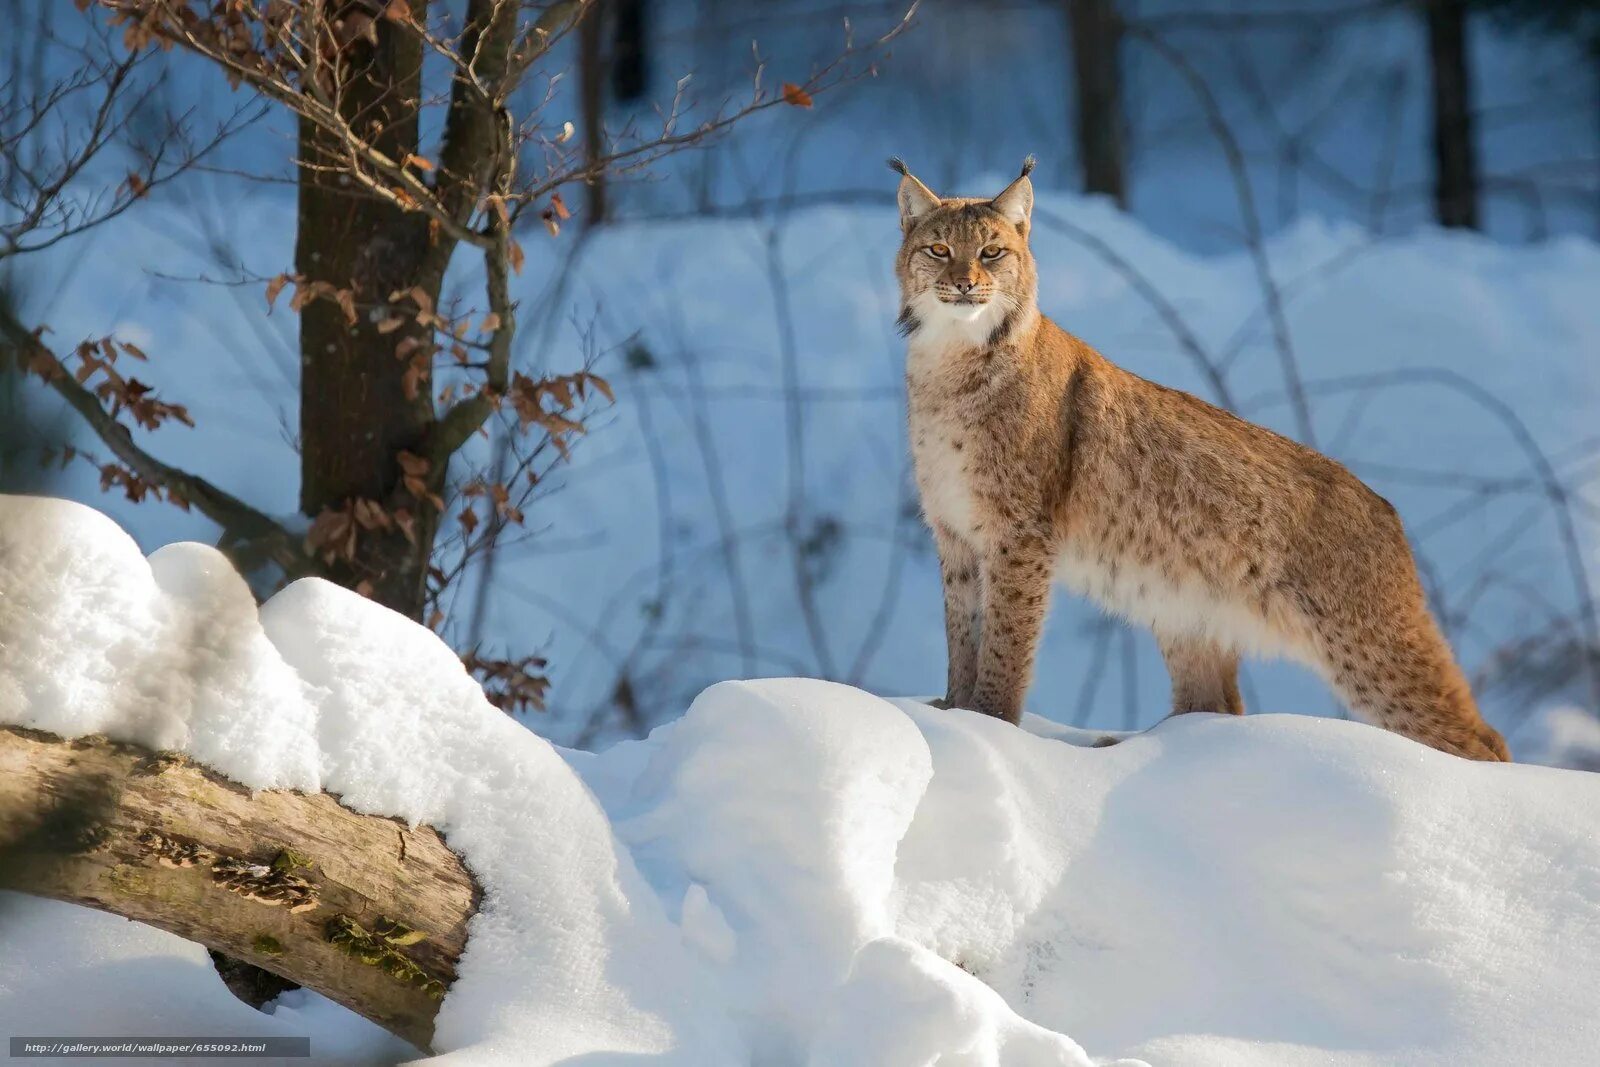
[1368,224]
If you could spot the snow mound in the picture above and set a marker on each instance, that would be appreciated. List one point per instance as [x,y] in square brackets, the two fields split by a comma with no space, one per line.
[797,872]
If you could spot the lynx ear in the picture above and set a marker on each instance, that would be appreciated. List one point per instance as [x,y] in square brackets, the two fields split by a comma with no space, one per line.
[1016,201]
[915,199]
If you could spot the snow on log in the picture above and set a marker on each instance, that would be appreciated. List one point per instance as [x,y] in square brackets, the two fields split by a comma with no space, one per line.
[363,909]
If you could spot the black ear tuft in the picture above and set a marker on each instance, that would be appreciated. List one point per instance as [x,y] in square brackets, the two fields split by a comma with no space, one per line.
[1027,166]
[898,165]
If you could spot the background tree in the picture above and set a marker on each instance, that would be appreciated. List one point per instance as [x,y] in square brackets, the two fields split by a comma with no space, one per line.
[1100,126]
[393,385]
[1576,19]
[1455,154]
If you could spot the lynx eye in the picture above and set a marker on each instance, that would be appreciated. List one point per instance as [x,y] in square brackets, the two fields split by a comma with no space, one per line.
[993,252]
[939,250]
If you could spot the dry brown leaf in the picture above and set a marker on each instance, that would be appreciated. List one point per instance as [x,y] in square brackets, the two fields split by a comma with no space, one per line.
[370,514]
[407,524]
[411,381]
[274,287]
[795,96]
[347,304]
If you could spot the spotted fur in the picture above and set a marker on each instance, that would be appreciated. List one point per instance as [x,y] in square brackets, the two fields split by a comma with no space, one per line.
[1037,459]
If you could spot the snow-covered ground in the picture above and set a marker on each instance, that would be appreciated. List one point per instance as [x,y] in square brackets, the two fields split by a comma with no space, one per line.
[799,872]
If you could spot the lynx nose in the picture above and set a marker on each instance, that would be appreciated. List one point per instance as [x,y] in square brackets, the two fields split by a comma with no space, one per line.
[964,286]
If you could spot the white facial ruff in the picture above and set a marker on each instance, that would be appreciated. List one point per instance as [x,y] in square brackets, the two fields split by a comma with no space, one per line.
[945,326]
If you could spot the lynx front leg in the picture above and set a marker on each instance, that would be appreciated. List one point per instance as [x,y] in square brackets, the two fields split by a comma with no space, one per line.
[1205,676]
[1016,586]
[958,568]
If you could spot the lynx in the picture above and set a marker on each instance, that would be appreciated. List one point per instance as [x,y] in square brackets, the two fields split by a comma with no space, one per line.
[1037,459]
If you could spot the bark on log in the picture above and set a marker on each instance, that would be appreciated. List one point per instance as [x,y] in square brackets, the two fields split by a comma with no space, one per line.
[363,909]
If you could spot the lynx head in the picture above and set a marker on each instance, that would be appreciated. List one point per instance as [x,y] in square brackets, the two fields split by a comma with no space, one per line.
[966,274]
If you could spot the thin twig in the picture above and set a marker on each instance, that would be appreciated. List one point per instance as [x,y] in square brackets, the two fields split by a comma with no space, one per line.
[1254,238]
[243,526]
[794,427]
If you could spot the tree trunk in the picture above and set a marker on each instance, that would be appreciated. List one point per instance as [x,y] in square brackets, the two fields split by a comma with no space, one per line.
[288,882]
[355,417]
[592,104]
[630,60]
[1097,97]
[1455,187]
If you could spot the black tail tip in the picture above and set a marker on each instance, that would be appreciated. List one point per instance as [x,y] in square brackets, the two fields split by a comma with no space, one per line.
[1027,166]
[898,165]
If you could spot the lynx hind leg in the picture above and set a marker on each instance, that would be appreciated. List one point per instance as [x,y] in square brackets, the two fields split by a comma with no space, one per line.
[1205,675]
[1407,681]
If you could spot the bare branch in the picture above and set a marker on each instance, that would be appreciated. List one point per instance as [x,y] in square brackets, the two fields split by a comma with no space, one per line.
[643,153]
[1254,238]
[794,421]
[244,528]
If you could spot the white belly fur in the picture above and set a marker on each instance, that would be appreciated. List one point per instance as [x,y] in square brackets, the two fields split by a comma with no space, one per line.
[1184,608]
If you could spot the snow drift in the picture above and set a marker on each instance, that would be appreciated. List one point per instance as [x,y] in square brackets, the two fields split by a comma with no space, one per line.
[800,872]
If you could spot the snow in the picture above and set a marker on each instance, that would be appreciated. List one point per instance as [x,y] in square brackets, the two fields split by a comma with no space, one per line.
[800,872]
[69,971]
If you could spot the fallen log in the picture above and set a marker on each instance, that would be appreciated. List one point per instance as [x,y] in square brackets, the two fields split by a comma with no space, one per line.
[363,909]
